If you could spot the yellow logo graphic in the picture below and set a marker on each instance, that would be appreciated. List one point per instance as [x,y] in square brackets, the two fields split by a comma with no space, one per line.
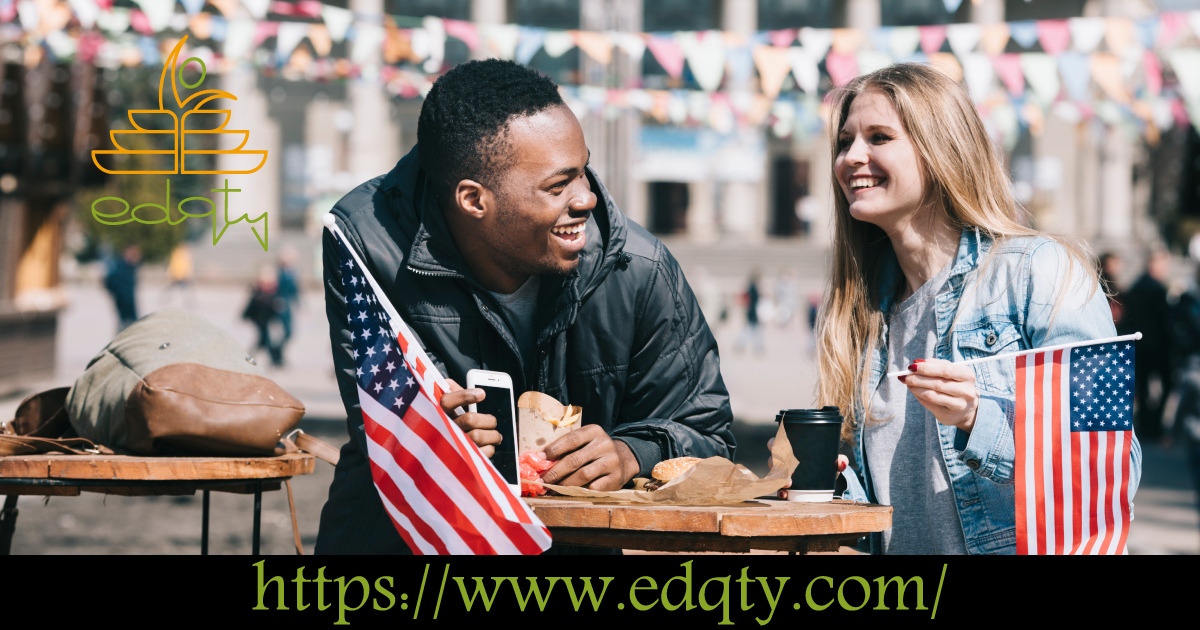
[179,130]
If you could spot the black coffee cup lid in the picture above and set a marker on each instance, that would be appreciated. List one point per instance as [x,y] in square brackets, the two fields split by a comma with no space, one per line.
[829,414]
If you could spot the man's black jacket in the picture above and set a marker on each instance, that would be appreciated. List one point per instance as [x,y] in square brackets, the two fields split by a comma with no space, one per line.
[622,336]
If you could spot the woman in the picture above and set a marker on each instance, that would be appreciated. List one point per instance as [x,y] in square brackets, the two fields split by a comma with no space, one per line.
[932,264]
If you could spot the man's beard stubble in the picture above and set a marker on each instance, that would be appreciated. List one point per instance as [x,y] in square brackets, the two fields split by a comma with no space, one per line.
[508,243]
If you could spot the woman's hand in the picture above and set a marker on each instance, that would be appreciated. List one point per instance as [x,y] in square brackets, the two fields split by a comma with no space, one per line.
[946,390]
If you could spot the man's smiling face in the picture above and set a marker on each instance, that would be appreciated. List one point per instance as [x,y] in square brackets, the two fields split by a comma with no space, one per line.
[543,199]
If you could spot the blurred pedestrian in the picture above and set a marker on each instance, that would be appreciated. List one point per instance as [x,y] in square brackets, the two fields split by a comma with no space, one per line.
[814,309]
[263,310]
[179,273]
[1186,428]
[751,331]
[1110,269]
[1147,311]
[289,292]
[121,282]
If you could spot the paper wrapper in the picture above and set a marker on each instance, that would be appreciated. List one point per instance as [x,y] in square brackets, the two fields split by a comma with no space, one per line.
[713,481]
[535,432]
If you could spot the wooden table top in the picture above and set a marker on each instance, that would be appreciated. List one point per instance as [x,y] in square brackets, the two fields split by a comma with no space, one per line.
[129,468]
[761,524]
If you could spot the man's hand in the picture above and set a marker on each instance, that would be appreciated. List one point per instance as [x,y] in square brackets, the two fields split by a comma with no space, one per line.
[480,427]
[588,457]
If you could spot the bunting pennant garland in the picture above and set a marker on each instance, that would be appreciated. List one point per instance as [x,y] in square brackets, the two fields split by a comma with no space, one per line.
[667,53]
[773,65]
[1073,68]
[464,31]
[705,54]
[337,19]
[1025,33]
[500,40]
[978,71]
[995,38]
[816,41]
[804,69]
[1041,72]
[932,38]
[530,43]
[903,41]
[1008,68]
[597,45]
[964,38]
[841,67]
[1054,36]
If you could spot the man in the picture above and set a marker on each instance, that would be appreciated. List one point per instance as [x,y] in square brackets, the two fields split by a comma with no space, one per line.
[1149,312]
[121,282]
[502,250]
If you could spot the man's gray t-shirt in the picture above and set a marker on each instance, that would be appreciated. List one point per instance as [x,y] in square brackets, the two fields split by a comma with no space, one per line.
[519,308]
[903,450]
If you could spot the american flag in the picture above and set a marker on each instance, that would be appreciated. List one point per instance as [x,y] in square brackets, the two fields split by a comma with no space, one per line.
[1074,431]
[442,494]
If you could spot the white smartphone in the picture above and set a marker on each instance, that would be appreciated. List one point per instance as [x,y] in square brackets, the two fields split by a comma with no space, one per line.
[498,401]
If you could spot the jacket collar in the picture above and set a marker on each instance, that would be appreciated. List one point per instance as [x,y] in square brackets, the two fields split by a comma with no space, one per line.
[973,244]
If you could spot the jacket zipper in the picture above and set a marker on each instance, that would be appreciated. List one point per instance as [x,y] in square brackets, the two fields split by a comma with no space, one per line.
[433,274]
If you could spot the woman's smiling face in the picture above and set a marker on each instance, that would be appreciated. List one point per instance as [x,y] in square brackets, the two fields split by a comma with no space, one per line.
[877,164]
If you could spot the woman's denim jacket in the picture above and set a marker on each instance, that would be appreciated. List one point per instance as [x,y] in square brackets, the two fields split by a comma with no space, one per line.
[1005,306]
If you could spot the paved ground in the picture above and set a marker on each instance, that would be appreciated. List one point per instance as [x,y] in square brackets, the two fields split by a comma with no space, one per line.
[760,383]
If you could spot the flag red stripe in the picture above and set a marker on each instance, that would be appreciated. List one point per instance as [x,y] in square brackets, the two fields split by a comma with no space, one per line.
[1076,495]
[1109,520]
[1056,424]
[1126,462]
[1019,435]
[420,368]
[1094,443]
[429,488]
[468,475]
[388,487]
[1039,482]
[402,341]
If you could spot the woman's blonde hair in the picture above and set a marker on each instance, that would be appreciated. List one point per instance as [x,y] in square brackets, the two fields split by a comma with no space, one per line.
[963,178]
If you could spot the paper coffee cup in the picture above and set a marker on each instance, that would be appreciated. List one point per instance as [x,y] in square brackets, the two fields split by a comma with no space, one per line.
[814,435]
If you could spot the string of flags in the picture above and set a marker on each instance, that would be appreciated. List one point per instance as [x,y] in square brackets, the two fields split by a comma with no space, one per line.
[1143,75]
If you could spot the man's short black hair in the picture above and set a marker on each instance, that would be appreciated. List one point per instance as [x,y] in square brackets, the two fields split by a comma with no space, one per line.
[464,120]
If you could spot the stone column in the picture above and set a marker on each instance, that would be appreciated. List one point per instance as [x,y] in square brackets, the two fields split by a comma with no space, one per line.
[987,11]
[743,204]
[487,12]
[374,146]
[863,14]
[701,215]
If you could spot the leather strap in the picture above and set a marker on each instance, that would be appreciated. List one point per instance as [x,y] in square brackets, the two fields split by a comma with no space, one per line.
[310,444]
[27,445]
[295,526]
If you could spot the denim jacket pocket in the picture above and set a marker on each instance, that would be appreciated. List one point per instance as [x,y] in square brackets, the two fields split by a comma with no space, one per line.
[988,339]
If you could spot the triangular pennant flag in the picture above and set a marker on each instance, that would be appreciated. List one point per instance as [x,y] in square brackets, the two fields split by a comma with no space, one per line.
[1118,34]
[706,57]
[804,69]
[264,31]
[1170,24]
[595,45]
[220,27]
[846,40]
[1194,21]
[1025,32]
[903,41]
[201,25]
[398,45]
[239,38]
[978,71]
[500,40]
[964,38]
[30,16]
[193,7]
[782,38]
[257,8]
[931,38]
[773,68]
[318,36]
[1186,63]
[871,60]
[158,12]
[668,54]
[1153,69]
[995,38]
[880,38]
[1054,35]
[841,67]
[86,11]
[741,65]
[951,5]
[137,20]
[1086,33]
[530,42]
[337,20]
[1146,30]
[435,33]
[557,43]
[1106,71]
[288,37]
[947,64]
[633,44]
[816,41]
[1041,71]
[464,31]
[368,42]
[1073,67]
[1008,67]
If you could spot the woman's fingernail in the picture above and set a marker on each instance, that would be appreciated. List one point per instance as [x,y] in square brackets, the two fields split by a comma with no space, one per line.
[902,378]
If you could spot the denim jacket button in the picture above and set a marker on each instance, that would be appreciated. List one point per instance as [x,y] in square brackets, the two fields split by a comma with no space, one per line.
[991,339]
[973,464]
